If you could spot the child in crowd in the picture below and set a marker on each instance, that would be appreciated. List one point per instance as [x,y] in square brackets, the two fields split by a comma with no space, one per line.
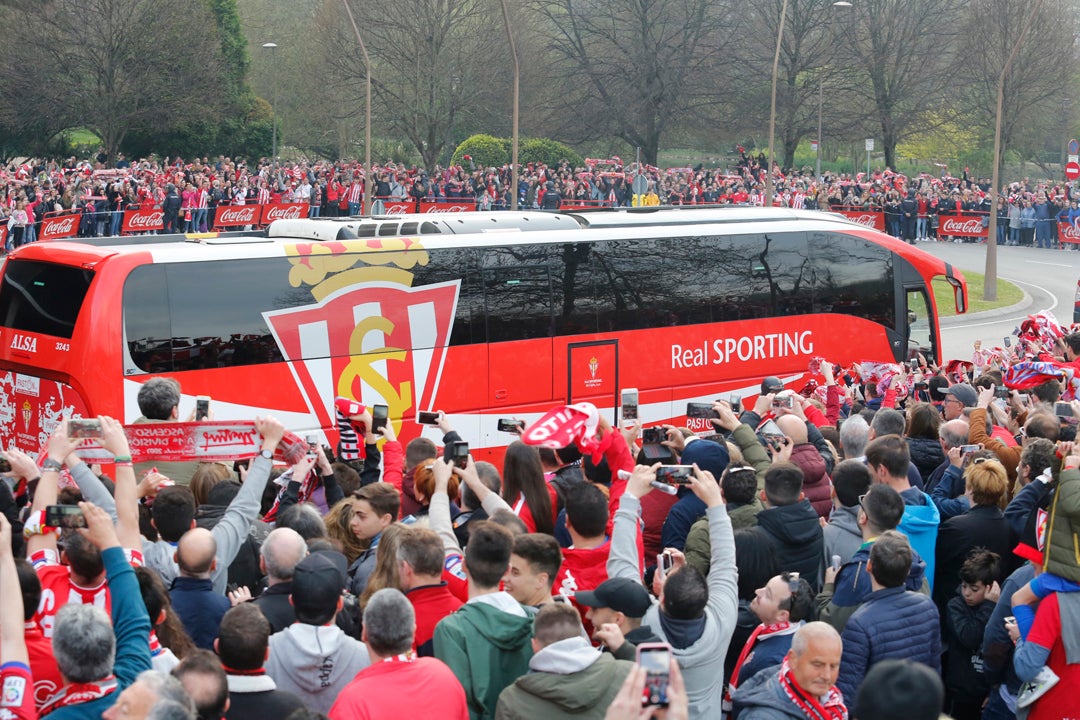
[965,622]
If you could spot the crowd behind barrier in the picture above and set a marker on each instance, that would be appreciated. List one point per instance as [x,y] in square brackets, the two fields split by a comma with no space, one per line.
[49,199]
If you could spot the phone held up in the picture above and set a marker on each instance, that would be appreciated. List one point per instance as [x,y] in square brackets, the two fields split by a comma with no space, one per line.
[425,417]
[674,474]
[629,407]
[64,516]
[82,428]
[509,425]
[457,453]
[655,660]
[379,416]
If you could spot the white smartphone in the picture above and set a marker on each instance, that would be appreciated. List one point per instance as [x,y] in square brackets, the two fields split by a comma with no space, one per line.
[629,407]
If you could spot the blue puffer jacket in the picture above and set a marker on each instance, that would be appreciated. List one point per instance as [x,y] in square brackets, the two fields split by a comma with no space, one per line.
[892,623]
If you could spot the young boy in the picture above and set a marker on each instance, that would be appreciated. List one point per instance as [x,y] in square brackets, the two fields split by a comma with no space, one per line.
[966,618]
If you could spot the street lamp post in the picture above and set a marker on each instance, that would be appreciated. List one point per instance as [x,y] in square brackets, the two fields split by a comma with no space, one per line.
[273,96]
[368,179]
[772,110]
[517,75]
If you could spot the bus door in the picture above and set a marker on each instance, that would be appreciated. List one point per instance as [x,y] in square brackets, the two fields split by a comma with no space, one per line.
[592,370]
[520,325]
[921,336]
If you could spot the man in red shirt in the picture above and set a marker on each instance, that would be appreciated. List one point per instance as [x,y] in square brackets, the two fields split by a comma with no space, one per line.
[584,564]
[420,566]
[1046,644]
[398,684]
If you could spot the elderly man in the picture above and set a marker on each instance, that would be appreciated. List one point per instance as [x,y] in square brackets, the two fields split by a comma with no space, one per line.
[398,684]
[803,685]
[279,555]
[153,696]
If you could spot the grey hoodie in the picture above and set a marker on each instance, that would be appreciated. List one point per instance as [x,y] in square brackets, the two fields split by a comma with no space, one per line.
[702,663]
[842,536]
[762,698]
[315,662]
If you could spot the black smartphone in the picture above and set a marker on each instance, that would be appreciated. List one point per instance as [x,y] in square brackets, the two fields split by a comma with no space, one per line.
[425,417]
[1063,410]
[511,426]
[1002,392]
[735,401]
[379,415]
[655,660]
[457,453]
[674,474]
[914,362]
[701,411]
[84,428]
[64,516]
[202,407]
[653,435]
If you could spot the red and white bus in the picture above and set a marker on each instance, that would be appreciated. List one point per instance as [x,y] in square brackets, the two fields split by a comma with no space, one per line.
[482,315]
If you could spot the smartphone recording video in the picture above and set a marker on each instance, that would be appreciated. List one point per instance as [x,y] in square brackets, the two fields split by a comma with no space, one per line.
[379,416]
[64,516]
[82,428]
[655,660]
[674,474]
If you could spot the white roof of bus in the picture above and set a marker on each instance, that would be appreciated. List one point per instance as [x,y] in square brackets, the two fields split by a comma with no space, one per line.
[595,226]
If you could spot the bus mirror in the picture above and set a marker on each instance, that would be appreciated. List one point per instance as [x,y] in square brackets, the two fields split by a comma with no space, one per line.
[958,294]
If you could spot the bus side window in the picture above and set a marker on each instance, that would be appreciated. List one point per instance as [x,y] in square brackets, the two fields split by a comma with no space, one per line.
[147,325]
[853,276]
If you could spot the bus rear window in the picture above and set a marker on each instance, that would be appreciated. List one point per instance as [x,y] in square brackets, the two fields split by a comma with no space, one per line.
[41,297]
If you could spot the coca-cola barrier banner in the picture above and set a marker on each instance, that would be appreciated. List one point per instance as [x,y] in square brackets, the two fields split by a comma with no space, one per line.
[143,220]
[64,226]
[283,211]
[236,215]
[404,208]
[961,225]
[870,218]
[1068,233]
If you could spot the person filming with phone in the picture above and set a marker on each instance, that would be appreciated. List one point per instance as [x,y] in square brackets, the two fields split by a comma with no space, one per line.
[695,614]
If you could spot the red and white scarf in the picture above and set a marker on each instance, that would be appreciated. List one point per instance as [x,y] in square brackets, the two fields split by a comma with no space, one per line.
[813,708]
[761,632]
[78,693]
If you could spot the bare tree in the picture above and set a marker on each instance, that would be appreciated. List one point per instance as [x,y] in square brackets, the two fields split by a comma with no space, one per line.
[806,70]
[901,53]
[635,68]
[1032,105]
[110,65]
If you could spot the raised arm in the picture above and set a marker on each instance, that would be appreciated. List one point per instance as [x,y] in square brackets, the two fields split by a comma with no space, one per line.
[59,447]
[115,441]
[12,640]
[623,559]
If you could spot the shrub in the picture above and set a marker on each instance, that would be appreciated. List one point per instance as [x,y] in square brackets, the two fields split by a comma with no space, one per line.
[549,152]
[485,151]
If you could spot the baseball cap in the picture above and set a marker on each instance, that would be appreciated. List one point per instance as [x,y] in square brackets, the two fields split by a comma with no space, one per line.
[964,393]
[771,385]
[620,594]
[318,581]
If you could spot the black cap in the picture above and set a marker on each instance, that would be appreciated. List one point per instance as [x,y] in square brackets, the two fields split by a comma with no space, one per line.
[318,581]
[771,385]
[620,594]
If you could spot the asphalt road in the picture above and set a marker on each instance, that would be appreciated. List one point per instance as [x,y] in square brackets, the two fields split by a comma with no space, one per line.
[1048,276]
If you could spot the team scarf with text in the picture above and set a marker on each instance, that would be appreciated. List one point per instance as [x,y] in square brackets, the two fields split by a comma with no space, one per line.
[832,709]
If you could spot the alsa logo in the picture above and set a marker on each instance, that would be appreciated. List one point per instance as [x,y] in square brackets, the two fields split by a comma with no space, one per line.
[24,343]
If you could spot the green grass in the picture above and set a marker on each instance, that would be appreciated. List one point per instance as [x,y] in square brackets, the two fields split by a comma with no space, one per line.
[1007,294]
[82,136]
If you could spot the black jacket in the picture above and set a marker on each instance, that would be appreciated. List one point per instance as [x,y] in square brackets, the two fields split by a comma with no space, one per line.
[795,535]
[926,455]
[981,526]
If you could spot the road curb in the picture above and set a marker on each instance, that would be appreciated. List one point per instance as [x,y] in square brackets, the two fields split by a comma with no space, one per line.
[957,320]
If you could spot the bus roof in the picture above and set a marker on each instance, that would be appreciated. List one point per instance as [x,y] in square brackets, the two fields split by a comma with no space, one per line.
[473,229]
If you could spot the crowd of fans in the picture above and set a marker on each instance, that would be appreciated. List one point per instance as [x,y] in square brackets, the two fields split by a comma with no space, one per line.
[189,191]
[887,541]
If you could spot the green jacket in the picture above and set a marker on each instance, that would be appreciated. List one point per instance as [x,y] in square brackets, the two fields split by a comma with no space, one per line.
[697,548]
[1062,556]
[584,694]
[487,649]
